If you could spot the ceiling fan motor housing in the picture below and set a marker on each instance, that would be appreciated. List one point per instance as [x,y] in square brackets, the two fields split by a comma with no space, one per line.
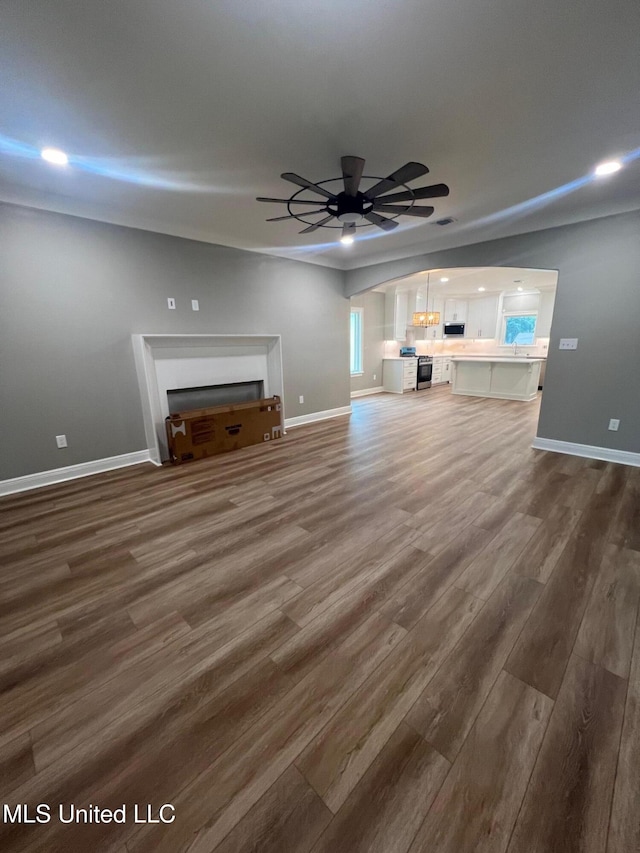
[351,209]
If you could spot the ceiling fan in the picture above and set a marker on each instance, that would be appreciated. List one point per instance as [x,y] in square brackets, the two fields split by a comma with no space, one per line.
[350,209]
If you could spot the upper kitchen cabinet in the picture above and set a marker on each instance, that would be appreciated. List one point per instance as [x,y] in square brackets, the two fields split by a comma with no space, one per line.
[545,312]
[434,333]
[520,302]
[455,310]
[396,306]
[482,317]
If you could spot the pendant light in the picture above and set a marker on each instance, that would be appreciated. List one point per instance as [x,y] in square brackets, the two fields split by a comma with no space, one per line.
[426,318]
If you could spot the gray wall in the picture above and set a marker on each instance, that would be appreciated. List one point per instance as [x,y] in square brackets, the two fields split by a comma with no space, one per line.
[72,292]
[372,305]
[597,301]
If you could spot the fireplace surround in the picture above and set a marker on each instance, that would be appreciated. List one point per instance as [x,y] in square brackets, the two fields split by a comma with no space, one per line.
[170,362]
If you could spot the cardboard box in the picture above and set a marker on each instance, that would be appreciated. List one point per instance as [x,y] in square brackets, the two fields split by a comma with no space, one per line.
[219,429]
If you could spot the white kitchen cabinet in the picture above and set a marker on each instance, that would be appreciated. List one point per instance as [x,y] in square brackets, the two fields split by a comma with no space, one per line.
[434,333]
[482,318]
[402,307]
[399,374]
[520,303]
[441,370]
[545,313]
[455,310]
[503,378]
[396,307]
[410,376]
[436,373]
[389,316]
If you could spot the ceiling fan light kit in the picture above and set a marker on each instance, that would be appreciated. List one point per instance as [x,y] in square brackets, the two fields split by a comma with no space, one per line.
[351,209]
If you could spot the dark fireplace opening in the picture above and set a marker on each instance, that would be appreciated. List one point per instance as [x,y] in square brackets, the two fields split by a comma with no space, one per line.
[205,396]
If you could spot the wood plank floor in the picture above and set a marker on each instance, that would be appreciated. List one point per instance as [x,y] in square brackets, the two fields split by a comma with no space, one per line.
[398,632]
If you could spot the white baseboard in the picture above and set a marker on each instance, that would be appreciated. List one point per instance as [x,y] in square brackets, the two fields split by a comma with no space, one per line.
[97,466]
[72,472]
[316,416]
[364,392]
[589,451]
[498,395]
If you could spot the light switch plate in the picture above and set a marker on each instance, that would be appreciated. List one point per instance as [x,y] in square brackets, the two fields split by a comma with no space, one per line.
[171,303]
[568,343]
[195,305]
[61,441]
[614,424]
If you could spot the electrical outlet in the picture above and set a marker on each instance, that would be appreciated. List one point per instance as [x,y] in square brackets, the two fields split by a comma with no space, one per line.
[171,303]
[568,343]
[61,441]
[195,305]
[614,424]
[301,399]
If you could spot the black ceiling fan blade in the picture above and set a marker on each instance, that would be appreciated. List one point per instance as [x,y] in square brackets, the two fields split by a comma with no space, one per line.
[406,173]
[294,216]
[404,211]
[434,191]
[316,225]
[352,168]
[303,182]
[381,222]
[293,201]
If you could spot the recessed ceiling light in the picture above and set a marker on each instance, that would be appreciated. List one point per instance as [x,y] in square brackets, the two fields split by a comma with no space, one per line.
[520,289]
[481,289]
[54,155]
[347,240]
[608,168]
[444,279]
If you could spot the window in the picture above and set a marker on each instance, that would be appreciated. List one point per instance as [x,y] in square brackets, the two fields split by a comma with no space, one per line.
[519,329]
[356,341]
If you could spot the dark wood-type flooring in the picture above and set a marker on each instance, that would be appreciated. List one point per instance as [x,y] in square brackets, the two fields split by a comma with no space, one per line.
[397,632]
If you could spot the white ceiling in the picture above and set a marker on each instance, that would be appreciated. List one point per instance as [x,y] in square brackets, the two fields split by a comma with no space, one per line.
[465,281]
[177,114]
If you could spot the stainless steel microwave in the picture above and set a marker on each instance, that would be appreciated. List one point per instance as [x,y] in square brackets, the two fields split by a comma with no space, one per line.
[453,329]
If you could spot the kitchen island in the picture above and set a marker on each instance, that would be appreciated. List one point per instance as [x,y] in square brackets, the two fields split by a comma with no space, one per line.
[504,377]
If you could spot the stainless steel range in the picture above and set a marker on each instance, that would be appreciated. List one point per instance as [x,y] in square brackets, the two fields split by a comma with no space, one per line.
[425,371]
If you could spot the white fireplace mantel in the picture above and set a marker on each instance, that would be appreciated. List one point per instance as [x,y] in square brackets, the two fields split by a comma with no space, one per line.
[150,349]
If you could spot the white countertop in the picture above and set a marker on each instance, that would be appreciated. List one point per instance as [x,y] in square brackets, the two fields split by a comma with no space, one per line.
[509,359]
[419,355]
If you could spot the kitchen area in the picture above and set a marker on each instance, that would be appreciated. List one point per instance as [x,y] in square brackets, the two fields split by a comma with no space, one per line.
[480,331]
